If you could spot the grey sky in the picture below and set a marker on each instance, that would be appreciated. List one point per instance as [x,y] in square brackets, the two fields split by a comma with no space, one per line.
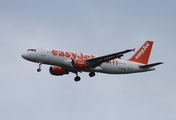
[96,27]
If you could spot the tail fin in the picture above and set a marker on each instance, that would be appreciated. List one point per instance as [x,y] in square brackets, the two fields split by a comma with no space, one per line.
[143,54]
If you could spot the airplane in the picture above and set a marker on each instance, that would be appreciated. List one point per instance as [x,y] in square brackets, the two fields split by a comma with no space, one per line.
[64,62]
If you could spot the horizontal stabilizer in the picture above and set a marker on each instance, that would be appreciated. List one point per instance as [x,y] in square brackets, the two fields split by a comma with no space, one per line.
[150,65]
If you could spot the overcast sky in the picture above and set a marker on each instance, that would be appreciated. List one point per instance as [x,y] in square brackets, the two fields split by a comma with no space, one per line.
[95,27]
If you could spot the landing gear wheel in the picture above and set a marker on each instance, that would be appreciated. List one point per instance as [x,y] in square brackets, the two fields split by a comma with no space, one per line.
[77,78]
[38,70]
[92,74]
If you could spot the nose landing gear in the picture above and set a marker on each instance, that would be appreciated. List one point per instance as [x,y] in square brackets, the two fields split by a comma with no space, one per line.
[39,69]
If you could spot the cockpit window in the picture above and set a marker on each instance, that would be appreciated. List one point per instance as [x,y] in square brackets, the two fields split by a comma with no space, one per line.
[32,50]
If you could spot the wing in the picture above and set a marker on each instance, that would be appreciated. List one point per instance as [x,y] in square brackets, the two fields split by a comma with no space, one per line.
[94,62]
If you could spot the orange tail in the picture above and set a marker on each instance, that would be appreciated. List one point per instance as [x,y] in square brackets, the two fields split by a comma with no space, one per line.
[143,54]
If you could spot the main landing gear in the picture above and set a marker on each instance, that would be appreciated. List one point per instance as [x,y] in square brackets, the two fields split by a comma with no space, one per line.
[39,69]
[92,74]
[77,78]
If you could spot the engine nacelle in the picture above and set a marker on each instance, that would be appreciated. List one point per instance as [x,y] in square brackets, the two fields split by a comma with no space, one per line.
[58,71]
[78,63]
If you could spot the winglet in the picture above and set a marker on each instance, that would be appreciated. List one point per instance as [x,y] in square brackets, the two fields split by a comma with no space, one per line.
[133,49]
[143,54]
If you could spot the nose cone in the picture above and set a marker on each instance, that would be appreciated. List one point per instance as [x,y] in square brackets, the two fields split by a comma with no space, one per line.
[24,55]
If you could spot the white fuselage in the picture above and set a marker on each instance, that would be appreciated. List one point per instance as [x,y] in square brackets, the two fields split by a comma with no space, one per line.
[116,66]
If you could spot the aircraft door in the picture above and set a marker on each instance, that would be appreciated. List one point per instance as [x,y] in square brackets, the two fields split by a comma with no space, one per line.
[43,52]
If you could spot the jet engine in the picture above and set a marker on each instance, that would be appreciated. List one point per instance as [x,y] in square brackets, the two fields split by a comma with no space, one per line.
[58,71]
[78,63]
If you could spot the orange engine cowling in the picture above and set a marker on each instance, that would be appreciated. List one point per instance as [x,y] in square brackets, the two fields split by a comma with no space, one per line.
[78,63]
[56,70]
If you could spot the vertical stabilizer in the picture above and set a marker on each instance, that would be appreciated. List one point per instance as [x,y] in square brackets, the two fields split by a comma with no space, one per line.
[143,54]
